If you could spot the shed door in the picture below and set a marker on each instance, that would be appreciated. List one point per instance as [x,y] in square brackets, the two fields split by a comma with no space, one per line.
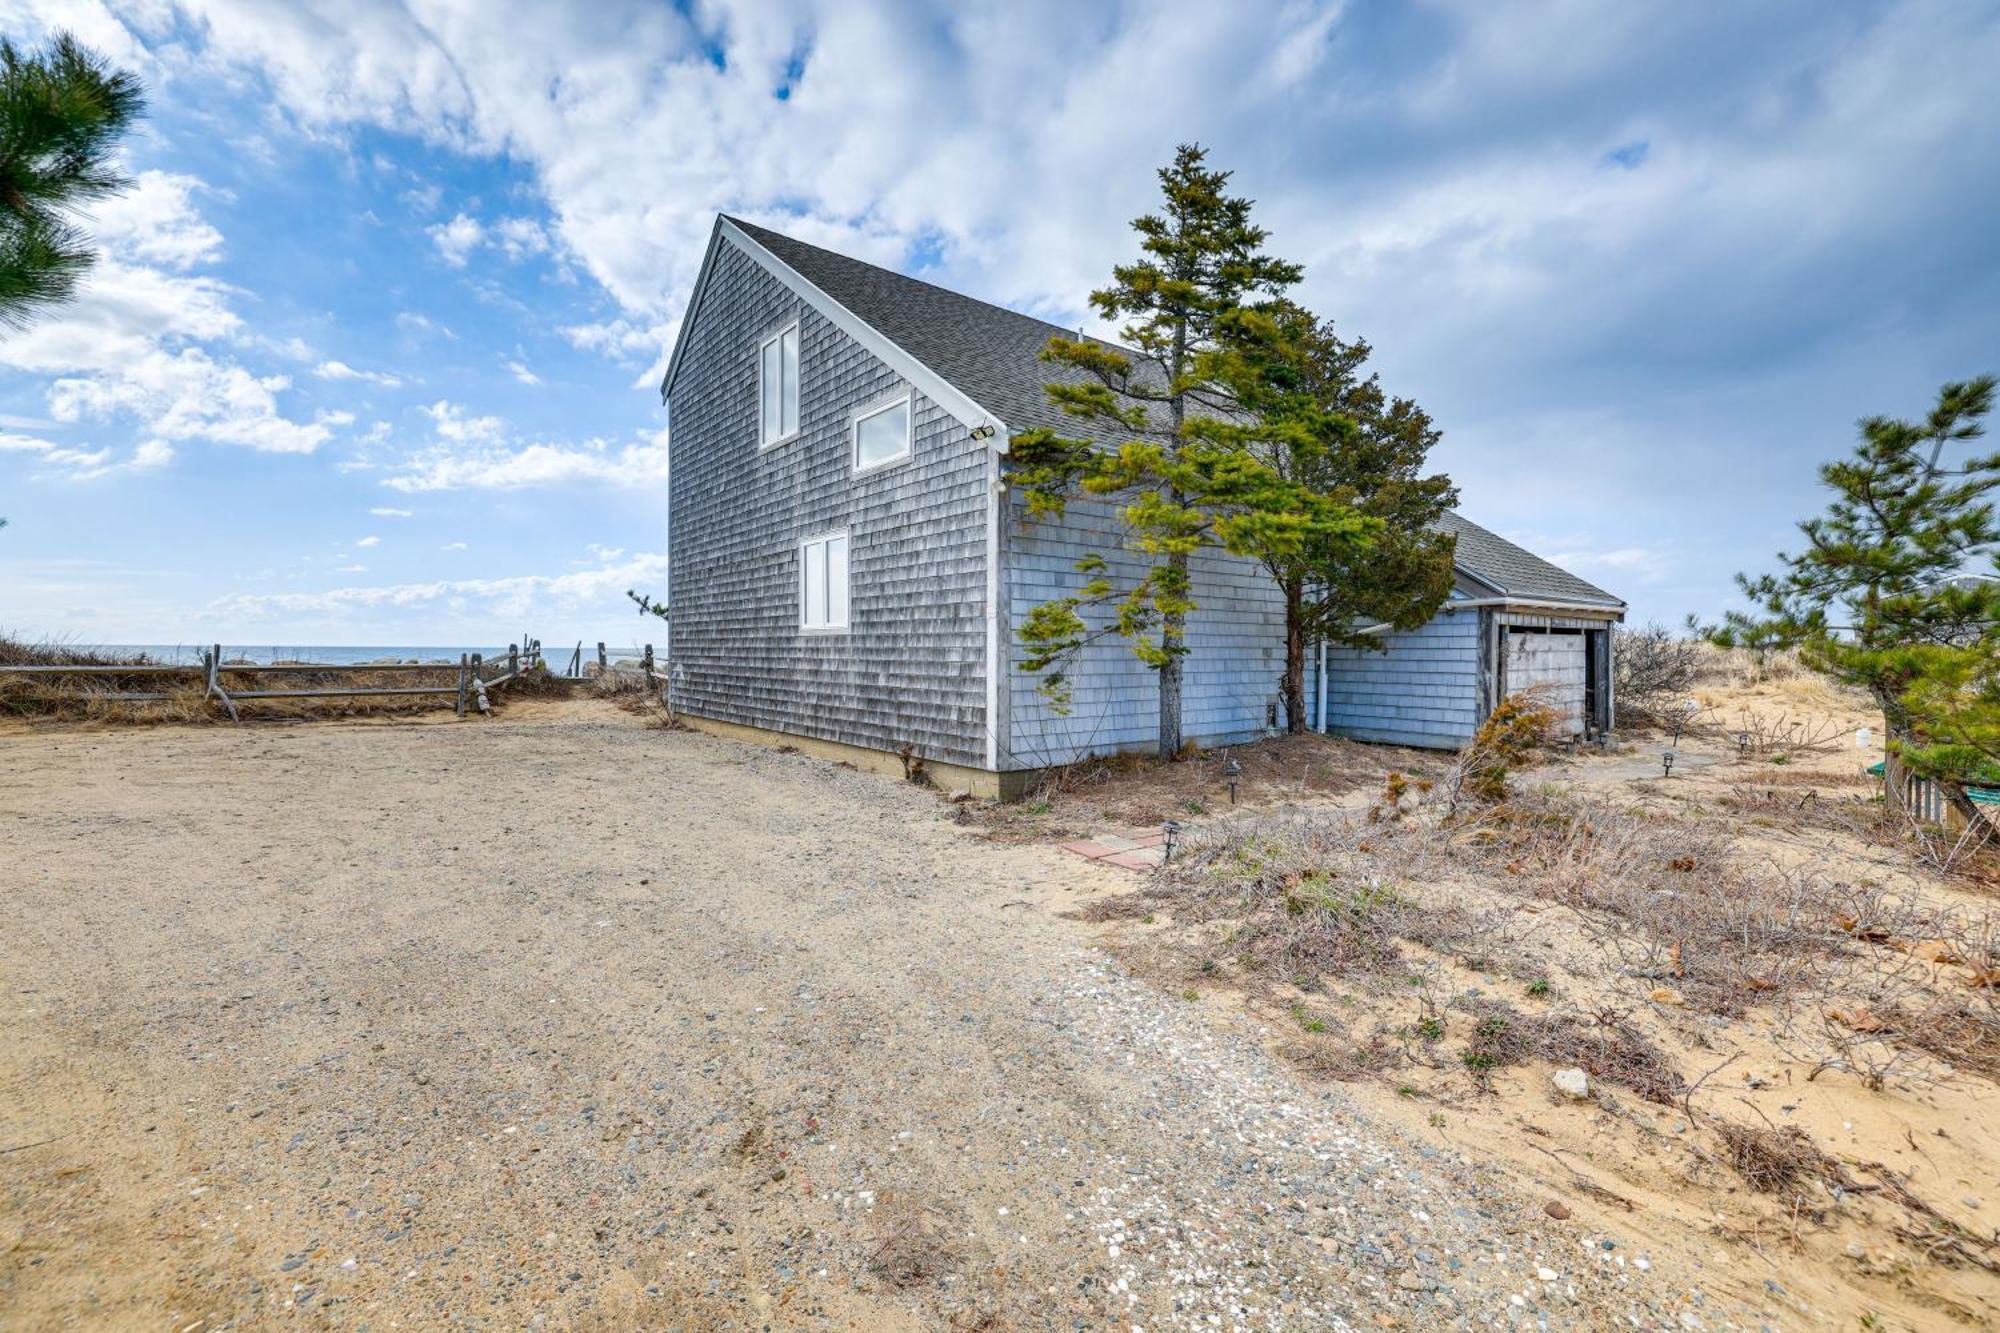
[1555,660]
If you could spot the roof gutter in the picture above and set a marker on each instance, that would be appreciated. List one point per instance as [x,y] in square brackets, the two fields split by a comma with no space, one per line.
[1532,604]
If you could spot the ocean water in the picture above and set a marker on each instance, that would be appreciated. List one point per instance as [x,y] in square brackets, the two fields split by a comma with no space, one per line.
[348,654]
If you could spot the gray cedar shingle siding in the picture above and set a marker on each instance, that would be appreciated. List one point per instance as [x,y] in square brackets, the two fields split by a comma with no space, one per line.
[1236,643]
[912,666]
[1424,690]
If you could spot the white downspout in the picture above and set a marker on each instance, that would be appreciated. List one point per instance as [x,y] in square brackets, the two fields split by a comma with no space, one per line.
[1319,697]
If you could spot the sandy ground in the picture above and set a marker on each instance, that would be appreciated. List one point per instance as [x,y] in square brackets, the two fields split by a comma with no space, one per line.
[557,1020]
[1643,1177]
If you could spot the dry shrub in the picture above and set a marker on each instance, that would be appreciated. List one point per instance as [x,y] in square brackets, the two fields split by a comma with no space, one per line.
[1605,1046]
[1739,667]
[87,698]
[1321,1055]
[1681,907]
[1963,1035]
[1786,734]
[82,696]
[1767,804]
[1779,1161]
[1652,671]
[1523,724]
[1143,790]
[1309,897]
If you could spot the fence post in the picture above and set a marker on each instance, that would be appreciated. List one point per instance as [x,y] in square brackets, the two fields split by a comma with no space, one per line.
[649,663]
[601,663]
[513,659]
[463,663]
[215,682]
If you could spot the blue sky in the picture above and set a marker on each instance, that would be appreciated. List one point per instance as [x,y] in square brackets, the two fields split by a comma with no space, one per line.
[371,354]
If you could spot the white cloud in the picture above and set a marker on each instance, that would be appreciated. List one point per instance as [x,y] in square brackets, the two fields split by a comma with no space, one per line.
[384,511]
[152,453]
[85,464]
[536,465]
[457,239]
[621,338]
[452,546]
[156,222]
[519,238]
[516,238]
[189,395]
[340,370]
[143,341]
[515,598]
[469,452]
[369,541]
[521,372]
[350,569]
[410,322]
[453,425]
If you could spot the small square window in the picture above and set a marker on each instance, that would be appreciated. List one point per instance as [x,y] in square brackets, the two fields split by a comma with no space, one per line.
[882,435]
[823,582]
[778,386]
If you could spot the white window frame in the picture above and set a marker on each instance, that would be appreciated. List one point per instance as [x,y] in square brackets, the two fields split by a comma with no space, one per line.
[797,412]
[830,627]
[876,409]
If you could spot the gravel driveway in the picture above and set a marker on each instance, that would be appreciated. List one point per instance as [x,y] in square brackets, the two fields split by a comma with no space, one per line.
[557,1020]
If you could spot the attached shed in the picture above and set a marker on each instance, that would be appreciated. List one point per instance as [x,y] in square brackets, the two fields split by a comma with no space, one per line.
[1513,621]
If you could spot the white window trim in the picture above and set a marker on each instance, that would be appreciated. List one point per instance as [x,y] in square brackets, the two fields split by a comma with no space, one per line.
[762,343]
[876,409]
[804,542]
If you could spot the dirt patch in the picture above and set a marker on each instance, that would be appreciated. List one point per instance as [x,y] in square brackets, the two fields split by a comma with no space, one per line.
[1144,791]
[559,1015]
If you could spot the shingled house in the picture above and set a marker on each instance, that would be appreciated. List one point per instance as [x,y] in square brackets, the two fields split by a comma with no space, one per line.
[848,571]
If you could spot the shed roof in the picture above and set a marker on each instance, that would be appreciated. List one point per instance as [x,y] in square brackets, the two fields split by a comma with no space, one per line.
[1515,571]
[993,356]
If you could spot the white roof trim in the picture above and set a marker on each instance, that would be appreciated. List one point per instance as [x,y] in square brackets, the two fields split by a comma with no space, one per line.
[693,308]
[926,381]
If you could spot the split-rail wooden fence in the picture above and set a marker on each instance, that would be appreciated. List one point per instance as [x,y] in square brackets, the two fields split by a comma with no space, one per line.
[220,680]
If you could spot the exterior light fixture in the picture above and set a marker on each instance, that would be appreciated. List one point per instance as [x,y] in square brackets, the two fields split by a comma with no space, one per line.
[1667,764]
[1231,771]
[1742,742]
[1173,843]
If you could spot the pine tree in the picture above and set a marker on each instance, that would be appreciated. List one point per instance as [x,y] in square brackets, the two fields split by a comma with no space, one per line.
[1876,597]
[1170,444]
[1342,439]
[62,112]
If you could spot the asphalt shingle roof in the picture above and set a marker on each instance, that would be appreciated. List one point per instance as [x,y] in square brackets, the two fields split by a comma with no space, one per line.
[1515,570]
[992,354]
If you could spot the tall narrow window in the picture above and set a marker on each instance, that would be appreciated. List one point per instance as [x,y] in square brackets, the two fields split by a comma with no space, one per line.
[882,435]
[778,386]
[823,582]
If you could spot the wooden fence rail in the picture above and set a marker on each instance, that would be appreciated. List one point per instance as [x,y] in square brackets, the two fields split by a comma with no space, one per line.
[475,676]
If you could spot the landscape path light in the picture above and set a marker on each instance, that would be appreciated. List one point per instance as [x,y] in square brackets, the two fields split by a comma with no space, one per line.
[1667,764]
[1231,771]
